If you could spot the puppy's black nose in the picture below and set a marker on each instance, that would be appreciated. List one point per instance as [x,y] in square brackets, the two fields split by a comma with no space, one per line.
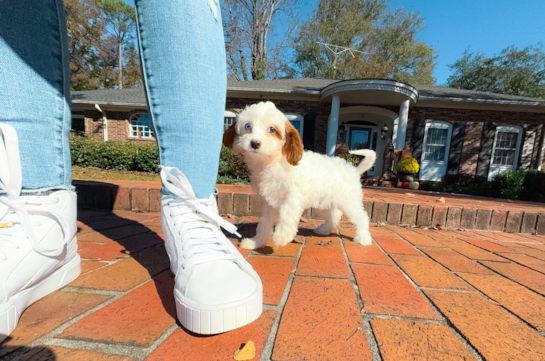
[255,144]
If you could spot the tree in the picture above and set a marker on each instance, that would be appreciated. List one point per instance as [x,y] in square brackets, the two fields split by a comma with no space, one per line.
[347,39]
[85,32]
[514,71]
[96,60]
[120,18]
[249,28]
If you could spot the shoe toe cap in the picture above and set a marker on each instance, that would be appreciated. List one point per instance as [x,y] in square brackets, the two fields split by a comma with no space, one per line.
[219,283]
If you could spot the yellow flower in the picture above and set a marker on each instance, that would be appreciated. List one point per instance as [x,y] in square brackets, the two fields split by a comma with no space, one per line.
[409,165]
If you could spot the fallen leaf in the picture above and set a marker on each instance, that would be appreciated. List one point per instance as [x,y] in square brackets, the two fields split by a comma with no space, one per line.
[410,194]
[231,216]
[380,224]
[303,220]
[297,241]
[247,352]
[424,228]
[438,226]
[441,200]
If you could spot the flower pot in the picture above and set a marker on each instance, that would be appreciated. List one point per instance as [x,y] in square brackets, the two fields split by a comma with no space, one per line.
[406,176]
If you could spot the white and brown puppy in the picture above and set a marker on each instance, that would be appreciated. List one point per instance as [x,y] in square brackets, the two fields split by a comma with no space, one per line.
[289,180]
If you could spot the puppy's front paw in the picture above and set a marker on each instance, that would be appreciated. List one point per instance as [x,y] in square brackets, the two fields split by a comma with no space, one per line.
[280,240]
[248,243]
[322,230]
[364,239]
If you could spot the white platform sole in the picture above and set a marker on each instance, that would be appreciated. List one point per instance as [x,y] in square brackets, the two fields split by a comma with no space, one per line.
[11,311]
[214,319]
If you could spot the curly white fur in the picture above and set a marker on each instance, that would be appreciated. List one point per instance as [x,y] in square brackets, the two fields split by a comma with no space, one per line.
[317,181]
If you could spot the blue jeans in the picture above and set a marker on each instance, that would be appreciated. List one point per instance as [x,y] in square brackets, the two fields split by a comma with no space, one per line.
[183,55]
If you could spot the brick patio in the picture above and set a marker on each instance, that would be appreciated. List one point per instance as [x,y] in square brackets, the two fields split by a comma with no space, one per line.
[391,206]
[415,294]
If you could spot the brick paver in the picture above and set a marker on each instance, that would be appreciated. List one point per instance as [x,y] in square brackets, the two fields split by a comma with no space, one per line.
[426,273]
[385,290]
[321,321]
[409,340]
[415,294]
[495,333]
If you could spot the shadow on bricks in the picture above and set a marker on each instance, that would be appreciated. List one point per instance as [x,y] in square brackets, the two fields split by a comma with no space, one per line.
[141,242]
[33,353]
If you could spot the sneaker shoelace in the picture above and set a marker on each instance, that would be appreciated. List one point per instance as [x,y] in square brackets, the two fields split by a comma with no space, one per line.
[16,210]
[202,237]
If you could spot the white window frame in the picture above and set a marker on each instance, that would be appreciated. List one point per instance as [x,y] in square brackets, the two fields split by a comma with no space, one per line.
[437,125]
[134,117]
[298,117]
[430,165]
[511,129]
[228,114]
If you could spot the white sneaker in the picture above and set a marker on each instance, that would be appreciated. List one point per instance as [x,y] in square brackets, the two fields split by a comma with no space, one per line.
[37,239]
[216,290]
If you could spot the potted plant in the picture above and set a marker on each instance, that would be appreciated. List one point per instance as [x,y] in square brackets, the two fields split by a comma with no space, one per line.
[407,169]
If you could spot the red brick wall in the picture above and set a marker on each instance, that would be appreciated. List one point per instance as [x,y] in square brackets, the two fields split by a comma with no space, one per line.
[119,130]
[118,126]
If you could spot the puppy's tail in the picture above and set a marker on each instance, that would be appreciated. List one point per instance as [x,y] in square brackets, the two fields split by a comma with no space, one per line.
[367,162]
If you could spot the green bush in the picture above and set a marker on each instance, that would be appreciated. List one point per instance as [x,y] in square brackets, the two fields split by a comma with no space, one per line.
[89,152]
[533,188]
[508,185]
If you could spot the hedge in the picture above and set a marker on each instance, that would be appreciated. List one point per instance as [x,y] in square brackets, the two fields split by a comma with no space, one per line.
[89,152]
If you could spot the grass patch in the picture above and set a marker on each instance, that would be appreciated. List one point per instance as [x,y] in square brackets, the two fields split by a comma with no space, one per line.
[111,174]
[85,173]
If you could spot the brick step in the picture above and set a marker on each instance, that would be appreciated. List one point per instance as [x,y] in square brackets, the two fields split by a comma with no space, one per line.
[241,201]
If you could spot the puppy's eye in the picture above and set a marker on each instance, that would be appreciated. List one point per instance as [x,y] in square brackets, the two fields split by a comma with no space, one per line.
[272,130]
[248,127]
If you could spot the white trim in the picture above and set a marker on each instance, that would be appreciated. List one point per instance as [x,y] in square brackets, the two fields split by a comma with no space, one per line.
[297,117]
[371,84]
[134,117]
[441,166]
[498,168]
[228,114]
[333,126]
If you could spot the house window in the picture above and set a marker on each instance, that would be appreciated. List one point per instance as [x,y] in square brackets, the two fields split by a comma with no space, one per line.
[436,144]
[297,121]
[78,122]
[229,118]
[435,150]
[140,126]
[505,148]
[505,151]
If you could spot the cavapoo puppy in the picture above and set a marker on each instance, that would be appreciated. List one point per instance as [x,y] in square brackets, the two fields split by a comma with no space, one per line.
[288,180]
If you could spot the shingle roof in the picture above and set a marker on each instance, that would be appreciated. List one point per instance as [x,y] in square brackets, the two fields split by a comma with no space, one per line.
[136,96]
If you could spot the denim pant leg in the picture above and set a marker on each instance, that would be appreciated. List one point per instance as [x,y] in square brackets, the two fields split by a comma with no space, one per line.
[183,55]
[34,89]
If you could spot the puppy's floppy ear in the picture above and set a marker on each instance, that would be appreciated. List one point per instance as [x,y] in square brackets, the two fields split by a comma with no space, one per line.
[229,136]
[293,148]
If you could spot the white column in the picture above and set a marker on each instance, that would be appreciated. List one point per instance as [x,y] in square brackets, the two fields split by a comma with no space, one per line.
[402,125]
[333,126]
[542,150]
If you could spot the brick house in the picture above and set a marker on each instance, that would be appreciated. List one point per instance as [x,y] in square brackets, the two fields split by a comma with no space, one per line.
[450,131]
